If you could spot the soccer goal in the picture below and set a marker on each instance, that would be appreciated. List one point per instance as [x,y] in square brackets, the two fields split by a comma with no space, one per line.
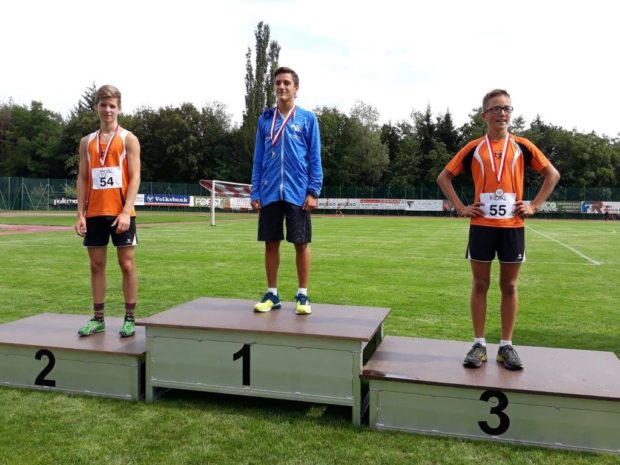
[227,196]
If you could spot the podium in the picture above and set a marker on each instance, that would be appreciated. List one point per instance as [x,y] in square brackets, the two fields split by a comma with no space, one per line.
[222,346]
[562,398]
[45,352]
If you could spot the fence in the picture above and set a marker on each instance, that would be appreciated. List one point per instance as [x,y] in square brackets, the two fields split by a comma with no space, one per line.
[17,193]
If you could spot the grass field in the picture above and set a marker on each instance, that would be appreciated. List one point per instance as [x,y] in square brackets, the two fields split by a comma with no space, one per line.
[569,297]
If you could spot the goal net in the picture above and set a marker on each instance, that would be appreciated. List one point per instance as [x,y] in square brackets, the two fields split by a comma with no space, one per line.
[227,196]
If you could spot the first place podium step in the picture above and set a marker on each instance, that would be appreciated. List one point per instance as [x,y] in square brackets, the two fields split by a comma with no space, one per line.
[221,345]
[45,352]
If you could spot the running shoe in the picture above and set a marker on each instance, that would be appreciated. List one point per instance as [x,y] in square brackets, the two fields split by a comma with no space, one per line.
[93,326]
[476,356]
[270,301]
[509,357]
[302,307]
[129,327]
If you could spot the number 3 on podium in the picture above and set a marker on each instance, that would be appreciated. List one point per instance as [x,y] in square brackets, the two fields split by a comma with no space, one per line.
[504,421]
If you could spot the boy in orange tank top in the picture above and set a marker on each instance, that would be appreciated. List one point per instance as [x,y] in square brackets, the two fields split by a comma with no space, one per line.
[497,163]
[107,186]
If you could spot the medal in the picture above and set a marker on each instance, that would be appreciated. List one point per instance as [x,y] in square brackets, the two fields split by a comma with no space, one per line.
[104,154]
[498,173]
[499,193]
[275,137]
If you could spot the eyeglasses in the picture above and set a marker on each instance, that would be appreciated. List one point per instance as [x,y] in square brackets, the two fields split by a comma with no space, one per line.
[497,109]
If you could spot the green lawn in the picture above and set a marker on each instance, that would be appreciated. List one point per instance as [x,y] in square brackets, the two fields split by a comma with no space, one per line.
[569,298]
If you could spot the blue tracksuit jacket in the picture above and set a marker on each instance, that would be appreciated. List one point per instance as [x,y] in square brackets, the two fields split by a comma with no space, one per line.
[291,168]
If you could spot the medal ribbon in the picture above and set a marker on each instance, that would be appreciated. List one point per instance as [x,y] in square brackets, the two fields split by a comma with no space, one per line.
[498,173]
[104,155]
[276,137]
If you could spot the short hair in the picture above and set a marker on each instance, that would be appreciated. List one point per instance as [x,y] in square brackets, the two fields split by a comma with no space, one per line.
[490,95]
[284,69]
[107,91]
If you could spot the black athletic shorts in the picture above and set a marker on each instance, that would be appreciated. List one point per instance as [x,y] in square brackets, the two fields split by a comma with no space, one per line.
[298,225]
[485,241]
[99,229]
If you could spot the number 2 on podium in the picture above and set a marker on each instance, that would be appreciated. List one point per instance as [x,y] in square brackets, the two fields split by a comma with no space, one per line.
[51,361]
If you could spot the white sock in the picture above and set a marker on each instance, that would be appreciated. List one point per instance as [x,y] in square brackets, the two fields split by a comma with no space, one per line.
[480,340]
[303,291]
[504,342]
[273,290]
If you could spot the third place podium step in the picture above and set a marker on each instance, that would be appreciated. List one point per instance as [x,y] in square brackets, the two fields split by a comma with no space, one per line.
[563,398]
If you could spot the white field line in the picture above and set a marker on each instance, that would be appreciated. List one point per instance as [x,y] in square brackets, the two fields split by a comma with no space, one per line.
[594,262]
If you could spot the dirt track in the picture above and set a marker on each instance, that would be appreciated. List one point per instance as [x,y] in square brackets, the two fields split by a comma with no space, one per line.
[30,228]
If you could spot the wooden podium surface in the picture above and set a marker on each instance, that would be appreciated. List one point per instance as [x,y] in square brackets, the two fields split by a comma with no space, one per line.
[45,352]
[325,321]
[222,345]
[562,398]
[59,331]
[565,372]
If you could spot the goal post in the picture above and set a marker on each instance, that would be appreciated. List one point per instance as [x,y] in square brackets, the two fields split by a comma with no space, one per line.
[227,196]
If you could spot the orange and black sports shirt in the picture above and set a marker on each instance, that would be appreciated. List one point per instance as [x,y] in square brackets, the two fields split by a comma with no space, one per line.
[475,158]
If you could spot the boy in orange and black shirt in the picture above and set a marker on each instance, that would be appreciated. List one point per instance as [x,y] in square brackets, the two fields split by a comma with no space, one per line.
[107,186]
[497,164]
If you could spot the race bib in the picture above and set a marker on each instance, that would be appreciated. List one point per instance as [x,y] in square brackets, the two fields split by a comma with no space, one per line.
[498,205]
[107,178]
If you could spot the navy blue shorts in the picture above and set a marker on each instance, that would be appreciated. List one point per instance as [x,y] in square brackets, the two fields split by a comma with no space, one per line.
[271,223]
[485,242]
[99,230]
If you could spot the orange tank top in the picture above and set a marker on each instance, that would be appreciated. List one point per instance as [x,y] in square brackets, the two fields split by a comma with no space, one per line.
[108,175]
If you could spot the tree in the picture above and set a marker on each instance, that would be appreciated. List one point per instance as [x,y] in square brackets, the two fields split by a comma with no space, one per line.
[218,161]
[30,143]
[476,126]
[403,170]
[332,123]
[86,104]
[82,121]
[170,140]
[259,78]
[446,133]
[365,157]
[425,134]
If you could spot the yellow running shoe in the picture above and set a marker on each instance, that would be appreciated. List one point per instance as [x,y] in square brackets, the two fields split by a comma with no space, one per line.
[303,305]
[270,301]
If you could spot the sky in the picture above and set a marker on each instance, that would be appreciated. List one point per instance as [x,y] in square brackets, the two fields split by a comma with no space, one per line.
[558,60]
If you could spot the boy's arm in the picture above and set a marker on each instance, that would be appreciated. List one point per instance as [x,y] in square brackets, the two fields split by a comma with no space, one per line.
[132,146]
[82,189]
[257,169]
[552,177]
[445,183]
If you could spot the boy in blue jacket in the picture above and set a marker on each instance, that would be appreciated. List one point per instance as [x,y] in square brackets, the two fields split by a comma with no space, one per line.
[286,182]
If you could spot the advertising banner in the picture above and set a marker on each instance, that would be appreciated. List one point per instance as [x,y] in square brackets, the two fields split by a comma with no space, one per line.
[560,206]
[202,201]
[240,203]
[169,200]
[599,207]
[422,205]
[382,204]
[339,204]
[62,201]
